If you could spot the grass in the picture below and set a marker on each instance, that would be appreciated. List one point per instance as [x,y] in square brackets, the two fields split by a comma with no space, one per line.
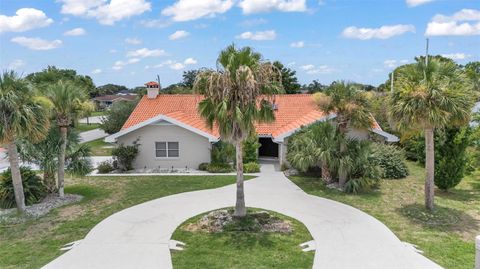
[36,242]
[237,249]
[97,113]
[98,148]
[446,236]
[83,127]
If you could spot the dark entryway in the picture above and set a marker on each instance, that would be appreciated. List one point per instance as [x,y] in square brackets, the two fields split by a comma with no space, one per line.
[268,148]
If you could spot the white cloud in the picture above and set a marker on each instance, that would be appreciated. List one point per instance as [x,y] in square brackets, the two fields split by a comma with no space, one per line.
[133,41]
[177,66]
[465,22]
[178,34]
[456,56]
[256,6]
[307,67]
[259,36]
[120,64]
[394,63]
[322,69]
[155,23]
[24,19]
[253,22]
[96,71]
[75,32]
[105,12]
[384,32]
[37,43]
[190,61]
[187,10]
[298,44]
[144,52]
[16,64]
[414,3]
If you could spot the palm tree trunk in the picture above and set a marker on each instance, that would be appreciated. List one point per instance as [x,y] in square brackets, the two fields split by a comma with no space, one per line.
[61,161]
[49,181]
[342,173]
[240,210]
[16,176]
[326,175]
[429,168]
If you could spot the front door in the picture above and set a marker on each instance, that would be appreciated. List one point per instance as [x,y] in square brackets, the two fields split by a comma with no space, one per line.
[268,148]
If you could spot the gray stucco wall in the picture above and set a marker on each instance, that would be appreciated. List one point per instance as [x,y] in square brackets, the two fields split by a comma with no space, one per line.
[194,149]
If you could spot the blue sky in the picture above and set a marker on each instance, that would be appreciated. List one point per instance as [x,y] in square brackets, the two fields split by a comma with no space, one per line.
[129,42]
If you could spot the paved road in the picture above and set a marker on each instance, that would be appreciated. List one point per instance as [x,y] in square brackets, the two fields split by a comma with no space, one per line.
[95,119]
[92,135]
[345,237]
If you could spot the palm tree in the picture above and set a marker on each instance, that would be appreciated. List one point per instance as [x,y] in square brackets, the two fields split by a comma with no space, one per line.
[22,116]
[429,96]
[352,109]
[67,100]
[238,94]
[315,146]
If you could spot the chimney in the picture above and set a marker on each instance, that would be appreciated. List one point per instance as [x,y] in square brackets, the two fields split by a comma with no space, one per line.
[152,89]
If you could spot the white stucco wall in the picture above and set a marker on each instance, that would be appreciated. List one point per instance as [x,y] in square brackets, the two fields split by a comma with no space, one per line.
[194,149]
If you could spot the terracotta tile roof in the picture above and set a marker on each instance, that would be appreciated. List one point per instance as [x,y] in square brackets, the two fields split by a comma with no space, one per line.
[151,83]
[294,111]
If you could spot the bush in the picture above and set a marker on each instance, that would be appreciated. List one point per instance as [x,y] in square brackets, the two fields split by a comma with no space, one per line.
[391,159]
[203,166]
[116,116]
[251,167]
[250,150]
[223,152]
[125,155]
[219,168]
[105,167]
[32,187]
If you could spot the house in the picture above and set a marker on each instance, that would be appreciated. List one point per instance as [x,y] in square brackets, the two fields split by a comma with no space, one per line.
[171,133]
[105,101]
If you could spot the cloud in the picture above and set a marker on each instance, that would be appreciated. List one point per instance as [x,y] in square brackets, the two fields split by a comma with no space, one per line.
[177,66]
[298,44]
[106,12]
[394,63]
[133,41]
[16,64]
[253,22]
[414,3]
[178,35]
[75,32]
[120,64]
[465,22]
[37,43]
[174,64]
[259,36]
[384,32]
[256,6]
[456,56]
[144,52]
[24,19]
[96,71]
[190,61]
[322,69]
[155,23]
[187,10]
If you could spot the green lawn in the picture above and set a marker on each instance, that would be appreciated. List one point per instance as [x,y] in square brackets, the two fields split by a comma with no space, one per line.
[98,148]
[35,243]
[97,113]
[234,249]
[83,127]
[447,236]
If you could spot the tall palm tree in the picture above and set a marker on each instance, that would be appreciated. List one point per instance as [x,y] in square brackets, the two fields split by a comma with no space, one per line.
[238,94]
[21,116]
[429,96]
[315,146]
[352,109]
[67,101]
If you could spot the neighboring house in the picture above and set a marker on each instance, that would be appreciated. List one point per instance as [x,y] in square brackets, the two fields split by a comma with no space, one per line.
[171,133]
[105,101]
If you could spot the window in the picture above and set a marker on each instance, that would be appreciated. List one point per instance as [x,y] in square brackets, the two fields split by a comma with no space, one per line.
[167,149]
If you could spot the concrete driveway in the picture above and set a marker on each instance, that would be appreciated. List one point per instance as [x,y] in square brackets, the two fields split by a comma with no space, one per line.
[92,135]
[138,237]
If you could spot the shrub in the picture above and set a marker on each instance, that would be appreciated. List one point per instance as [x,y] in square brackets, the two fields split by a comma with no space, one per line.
[251,167]
[116,116]
[105,167]
[360,184]
[391,159]
[32,187]
[250,150]
[219,168]
[223,152]
[125,155]
[203,166]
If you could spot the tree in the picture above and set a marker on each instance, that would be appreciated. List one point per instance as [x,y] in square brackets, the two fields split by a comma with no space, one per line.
[314,86]
[22,116]
[68,99]
[428,96]
[472,71]
[237,95]
[45,153]
[314,146]
[289,79]
[107,89]
[352,109]
[189,78]
[116,116]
